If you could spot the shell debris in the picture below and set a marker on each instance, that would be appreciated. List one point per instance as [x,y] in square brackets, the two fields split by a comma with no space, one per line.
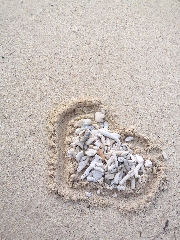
[128,139]
[88,194]
[103,159]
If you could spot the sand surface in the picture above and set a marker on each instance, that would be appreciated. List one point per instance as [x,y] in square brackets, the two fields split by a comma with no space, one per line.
[126,53]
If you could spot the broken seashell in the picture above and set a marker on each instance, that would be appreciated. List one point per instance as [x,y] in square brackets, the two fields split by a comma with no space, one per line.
[88,194]
[98,143]
[133,183]
[79,156]
[71,153]
[98,191]
[85,137]
[92,165]
[129,175]
[124,153]
[86,126]
[116,178]
[139,159]
[148,164]
[120,188]
[78,130]
[73,177]
[164,155]
[128,139]
[95,148]
[85,147]
[90,152]
[114,136]
[99,117]
[81,122]
[121,175]
[82,133]
[106,125]
[109,176]
[99,169]
[82,165]
[97,175]
[108,142]
[100,181]
[103,111]
[114,195]
[91,140]
[94,133]
[91,179]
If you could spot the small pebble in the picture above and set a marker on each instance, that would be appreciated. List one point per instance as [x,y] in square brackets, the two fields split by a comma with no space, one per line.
[88,194]
[98,191]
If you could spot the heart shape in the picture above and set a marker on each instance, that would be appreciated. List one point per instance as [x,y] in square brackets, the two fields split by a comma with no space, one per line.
[62,178]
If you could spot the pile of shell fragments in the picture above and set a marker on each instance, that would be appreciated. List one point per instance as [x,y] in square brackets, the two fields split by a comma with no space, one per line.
[102,158]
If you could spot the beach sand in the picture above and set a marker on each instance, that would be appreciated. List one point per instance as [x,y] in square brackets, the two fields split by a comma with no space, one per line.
[125,53]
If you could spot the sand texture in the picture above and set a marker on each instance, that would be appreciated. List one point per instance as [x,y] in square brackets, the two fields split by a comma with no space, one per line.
[62,60]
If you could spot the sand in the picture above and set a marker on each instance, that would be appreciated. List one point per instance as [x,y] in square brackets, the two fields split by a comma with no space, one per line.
[125,53]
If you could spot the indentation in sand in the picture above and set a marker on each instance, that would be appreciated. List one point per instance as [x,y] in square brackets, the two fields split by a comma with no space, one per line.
[60,130]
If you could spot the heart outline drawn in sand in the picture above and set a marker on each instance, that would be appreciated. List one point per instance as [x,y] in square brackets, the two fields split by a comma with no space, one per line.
[60,167]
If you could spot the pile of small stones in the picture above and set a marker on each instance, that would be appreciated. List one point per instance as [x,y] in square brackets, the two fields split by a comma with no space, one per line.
[102,158]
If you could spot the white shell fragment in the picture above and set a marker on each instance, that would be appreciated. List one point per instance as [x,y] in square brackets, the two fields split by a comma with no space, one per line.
[99,117]
[79,156]
[88,194]
[82,165]
[148,164]
[98,191]
[81,122]
[102,159]
[128,139]
[164,155]
[114,136]
[90,152]
[106,125]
